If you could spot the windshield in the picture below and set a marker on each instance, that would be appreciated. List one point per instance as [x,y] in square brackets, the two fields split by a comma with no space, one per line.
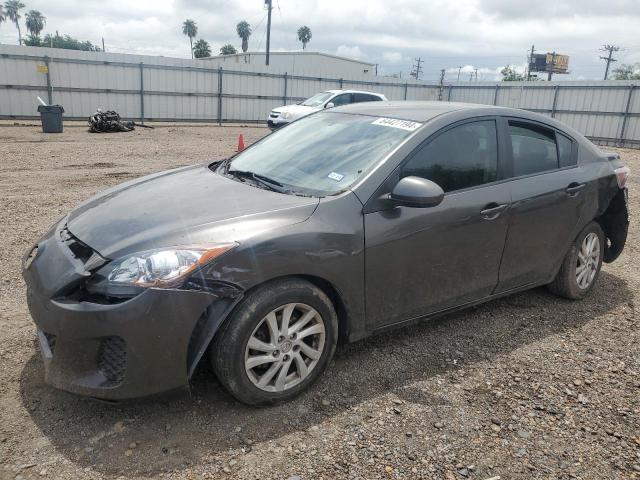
[323,153]
[318,99]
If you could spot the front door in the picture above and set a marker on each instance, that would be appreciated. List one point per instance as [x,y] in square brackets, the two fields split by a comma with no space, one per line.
[423,260]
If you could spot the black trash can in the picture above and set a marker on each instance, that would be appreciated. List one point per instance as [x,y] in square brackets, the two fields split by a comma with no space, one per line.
[51,116]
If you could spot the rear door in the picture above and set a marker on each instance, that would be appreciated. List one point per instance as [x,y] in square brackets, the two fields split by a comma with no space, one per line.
[342,99]
[423,260]
[365,97]
[547,197]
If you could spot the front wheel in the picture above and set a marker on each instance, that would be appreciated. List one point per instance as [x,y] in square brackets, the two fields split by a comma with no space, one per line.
[276,343]
[581,265]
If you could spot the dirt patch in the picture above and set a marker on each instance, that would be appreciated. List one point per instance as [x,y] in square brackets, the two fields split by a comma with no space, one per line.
[530,386]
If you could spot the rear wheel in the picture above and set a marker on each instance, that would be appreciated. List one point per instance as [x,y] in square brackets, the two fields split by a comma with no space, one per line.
[276,343]
[581,265]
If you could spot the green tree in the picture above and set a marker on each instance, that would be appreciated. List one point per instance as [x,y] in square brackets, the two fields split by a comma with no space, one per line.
[33,41]
[304,36]
[190,29]
[228,49]
[12,12]
[627,72]
[244,32]
[510,75]
[67,42]
[2,14]
[201,49]
[35,22]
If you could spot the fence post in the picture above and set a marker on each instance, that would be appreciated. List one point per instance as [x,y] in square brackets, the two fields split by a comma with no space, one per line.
[406,86]
[220,96]
[49,87]
[625,119]
[555,101]
[495,94]
[449,94]
[286,78]
[141,92]
[341,81]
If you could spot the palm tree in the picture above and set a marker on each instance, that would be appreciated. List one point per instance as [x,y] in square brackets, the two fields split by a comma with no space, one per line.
[190,29]
[244,32]
[202,49]
[304,35]
[228,49]
[35,22]
[2,17]
[12,12]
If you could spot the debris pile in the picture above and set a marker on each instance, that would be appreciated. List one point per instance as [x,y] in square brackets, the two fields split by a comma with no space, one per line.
[109,121]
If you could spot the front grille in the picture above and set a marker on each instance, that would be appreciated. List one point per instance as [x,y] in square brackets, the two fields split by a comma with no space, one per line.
[51,341]
[112,359]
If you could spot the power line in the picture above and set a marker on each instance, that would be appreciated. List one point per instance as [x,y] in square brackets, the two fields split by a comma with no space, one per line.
[609,58]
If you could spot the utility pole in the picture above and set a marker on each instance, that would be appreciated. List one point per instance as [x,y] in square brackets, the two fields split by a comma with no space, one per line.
[609,58]
[103,45]
[459,70]
[269,8]
[417,70]
[475,71]
[533,50]
[441,85]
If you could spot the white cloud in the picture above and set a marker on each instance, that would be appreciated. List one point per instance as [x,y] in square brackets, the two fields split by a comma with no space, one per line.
[392,57]
[483,33]
[351,52]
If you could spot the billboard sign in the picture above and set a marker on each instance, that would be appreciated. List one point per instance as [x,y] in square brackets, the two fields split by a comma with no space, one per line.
[549,62]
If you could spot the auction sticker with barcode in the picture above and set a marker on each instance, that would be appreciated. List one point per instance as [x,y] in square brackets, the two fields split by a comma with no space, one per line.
[396,123]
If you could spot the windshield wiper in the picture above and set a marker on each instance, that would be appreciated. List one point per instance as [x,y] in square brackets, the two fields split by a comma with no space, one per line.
[261,179]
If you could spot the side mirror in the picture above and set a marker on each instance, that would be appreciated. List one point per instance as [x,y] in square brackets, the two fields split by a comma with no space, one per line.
[417,192]
[329,105]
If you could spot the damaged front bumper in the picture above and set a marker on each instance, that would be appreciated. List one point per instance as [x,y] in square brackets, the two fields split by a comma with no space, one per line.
[117,350]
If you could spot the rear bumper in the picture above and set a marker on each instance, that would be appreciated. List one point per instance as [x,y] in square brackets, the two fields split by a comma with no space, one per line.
[113,351]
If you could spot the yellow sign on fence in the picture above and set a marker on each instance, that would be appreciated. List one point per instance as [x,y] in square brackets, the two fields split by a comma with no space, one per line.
[42,69]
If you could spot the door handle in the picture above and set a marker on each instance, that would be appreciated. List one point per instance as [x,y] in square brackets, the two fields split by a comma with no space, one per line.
[575,188]
[493,211]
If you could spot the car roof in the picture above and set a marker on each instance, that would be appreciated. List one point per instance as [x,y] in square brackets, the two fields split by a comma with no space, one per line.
[423,111]
[355,91]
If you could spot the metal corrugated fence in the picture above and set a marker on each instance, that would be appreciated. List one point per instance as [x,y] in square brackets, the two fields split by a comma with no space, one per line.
[171,89]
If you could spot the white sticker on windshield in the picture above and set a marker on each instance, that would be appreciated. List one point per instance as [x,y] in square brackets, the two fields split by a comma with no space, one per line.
[335,176]
[396,123]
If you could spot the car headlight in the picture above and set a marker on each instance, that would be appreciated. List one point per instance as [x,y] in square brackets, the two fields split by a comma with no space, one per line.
[162,268]
[285,115]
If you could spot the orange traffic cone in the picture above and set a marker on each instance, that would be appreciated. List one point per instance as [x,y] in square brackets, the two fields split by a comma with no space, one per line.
[240,143]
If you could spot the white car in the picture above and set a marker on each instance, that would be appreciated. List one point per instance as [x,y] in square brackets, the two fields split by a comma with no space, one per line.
[281,116]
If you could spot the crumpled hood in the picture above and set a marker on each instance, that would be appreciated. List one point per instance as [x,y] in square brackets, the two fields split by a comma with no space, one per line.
[187,206]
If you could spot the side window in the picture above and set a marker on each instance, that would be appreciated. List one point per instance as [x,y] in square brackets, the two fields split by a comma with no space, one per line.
[565,151]
[534,148]
[462,157]
[344,99]
[364,97]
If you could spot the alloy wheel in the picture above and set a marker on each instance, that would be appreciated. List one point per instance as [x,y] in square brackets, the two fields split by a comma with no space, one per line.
[588,260]
[285,347]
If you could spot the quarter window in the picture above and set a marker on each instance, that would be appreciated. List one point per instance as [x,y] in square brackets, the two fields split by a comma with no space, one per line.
[364,97]
[534,149]
[462,157]
[565,151]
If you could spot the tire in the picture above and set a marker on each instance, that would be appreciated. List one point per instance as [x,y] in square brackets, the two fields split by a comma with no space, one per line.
[566,284]
[252,375]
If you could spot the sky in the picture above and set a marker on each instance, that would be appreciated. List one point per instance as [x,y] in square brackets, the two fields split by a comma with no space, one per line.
[445,34]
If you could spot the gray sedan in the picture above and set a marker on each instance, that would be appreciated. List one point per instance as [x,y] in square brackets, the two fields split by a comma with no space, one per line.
[343,224]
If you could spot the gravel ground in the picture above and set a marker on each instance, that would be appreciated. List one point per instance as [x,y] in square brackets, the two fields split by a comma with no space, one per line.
[530,386]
